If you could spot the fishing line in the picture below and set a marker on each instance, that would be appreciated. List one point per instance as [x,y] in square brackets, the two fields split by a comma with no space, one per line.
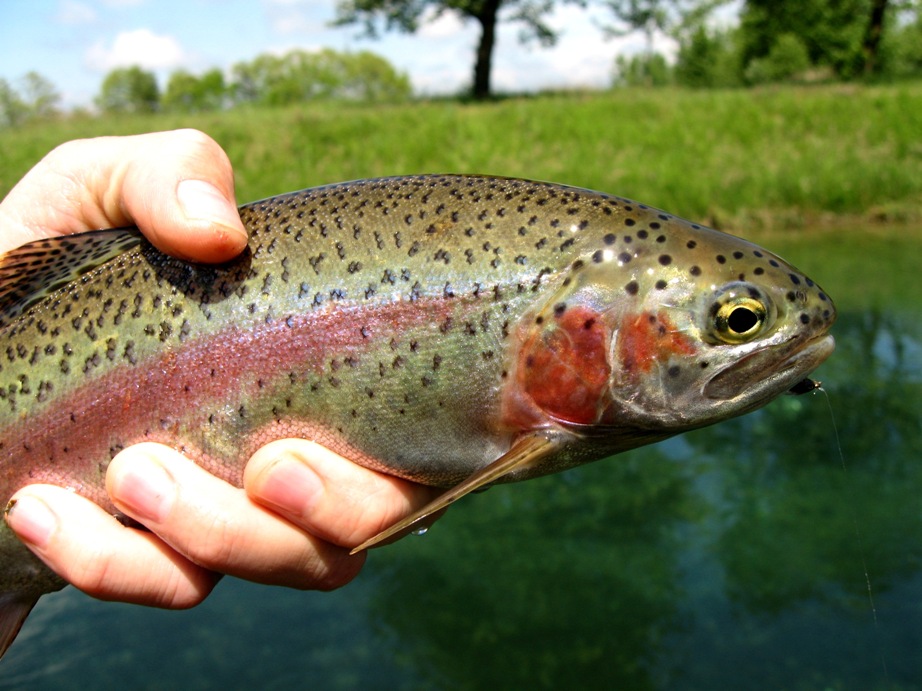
[858,537]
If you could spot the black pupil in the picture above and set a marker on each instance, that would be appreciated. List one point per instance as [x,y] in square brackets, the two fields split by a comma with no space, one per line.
[742,320]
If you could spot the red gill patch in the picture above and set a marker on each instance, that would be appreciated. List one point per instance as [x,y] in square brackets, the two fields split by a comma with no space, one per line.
[646,339]
[563,368]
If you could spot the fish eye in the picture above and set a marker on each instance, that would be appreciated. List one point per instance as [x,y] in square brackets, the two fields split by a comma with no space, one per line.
[738,319]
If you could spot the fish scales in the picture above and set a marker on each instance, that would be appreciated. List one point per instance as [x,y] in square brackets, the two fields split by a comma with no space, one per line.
[431,327]
[398,288]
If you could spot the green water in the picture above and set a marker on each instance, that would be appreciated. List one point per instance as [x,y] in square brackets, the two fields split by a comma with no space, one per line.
[747,555]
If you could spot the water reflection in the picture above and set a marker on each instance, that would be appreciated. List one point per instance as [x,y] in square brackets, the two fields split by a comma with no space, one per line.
[737,556]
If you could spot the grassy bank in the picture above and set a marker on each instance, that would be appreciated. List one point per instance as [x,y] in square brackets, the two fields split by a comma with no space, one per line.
[781,157]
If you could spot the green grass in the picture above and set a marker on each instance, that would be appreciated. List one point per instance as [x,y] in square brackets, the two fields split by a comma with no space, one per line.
[779,157]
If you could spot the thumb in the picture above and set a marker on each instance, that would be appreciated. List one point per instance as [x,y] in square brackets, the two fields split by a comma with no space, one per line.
[178,188]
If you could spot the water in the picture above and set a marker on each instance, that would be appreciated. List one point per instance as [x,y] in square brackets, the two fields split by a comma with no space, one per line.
[738,556]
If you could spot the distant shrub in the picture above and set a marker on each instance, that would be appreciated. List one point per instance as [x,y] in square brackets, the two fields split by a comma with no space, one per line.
[787,60]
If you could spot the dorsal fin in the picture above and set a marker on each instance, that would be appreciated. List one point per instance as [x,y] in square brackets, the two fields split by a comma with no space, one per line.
[37,269]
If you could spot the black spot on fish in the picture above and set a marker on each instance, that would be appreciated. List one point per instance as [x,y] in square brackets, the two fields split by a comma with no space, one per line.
[660,285]
[665,259]
[632,288]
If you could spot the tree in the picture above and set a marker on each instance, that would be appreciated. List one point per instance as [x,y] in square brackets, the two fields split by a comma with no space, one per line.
[365,76]
[187,93]
[40,96]
[36,99]
[786,60]
[129,90]
[904,49]
[405,15]
[301,75]
[647,69]
[676,18]
[708,59]
[873,34]
[841,35]
[12,109]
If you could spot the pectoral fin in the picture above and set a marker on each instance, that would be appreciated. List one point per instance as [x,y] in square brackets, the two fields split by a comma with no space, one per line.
[524,452]
[13,612]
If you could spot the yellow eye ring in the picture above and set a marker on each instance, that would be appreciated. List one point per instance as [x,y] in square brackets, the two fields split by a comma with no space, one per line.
[739,319]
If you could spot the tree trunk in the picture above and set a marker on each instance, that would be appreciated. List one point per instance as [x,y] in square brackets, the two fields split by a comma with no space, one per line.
[482,68]
[872,36]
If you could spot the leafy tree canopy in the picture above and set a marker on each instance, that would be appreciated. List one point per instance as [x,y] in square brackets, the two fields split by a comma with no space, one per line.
[301,75]
[129,90]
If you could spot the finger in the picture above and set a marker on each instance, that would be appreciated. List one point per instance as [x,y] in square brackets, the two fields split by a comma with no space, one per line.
[90,549]
[217,526]
[179,190]
[326,494]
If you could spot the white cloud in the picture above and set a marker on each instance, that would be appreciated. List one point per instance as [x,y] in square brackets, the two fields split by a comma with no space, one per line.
[73,12]
[141,47]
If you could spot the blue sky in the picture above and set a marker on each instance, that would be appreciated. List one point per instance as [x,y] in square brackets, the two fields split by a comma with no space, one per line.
[74,43]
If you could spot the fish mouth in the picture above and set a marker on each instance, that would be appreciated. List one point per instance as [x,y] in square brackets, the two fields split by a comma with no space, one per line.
[771,370]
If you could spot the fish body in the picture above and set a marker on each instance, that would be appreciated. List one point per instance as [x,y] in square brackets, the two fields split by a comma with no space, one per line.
[437,328]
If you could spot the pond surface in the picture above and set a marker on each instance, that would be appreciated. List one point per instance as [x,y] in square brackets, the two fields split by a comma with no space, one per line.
[747,555]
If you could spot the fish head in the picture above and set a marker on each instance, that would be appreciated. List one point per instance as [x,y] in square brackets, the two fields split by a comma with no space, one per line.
[666,329]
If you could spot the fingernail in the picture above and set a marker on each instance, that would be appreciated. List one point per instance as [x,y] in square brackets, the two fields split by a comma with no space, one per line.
[145,488]
[202,201]
[32,520]
[290,486]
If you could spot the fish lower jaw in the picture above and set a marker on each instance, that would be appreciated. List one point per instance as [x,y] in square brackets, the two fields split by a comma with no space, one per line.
[761,374]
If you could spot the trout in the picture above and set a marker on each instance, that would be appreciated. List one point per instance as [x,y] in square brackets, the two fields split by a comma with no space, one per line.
[454,331]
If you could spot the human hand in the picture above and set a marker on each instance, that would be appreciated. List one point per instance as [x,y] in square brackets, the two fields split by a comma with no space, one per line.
[177,187]
[301,508]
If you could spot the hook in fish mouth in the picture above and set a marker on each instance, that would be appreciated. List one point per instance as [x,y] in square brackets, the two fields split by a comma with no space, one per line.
[804,386]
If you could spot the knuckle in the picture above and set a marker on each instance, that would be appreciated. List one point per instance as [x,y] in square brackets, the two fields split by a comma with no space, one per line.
[214,547]
[332,577]
[91,574]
